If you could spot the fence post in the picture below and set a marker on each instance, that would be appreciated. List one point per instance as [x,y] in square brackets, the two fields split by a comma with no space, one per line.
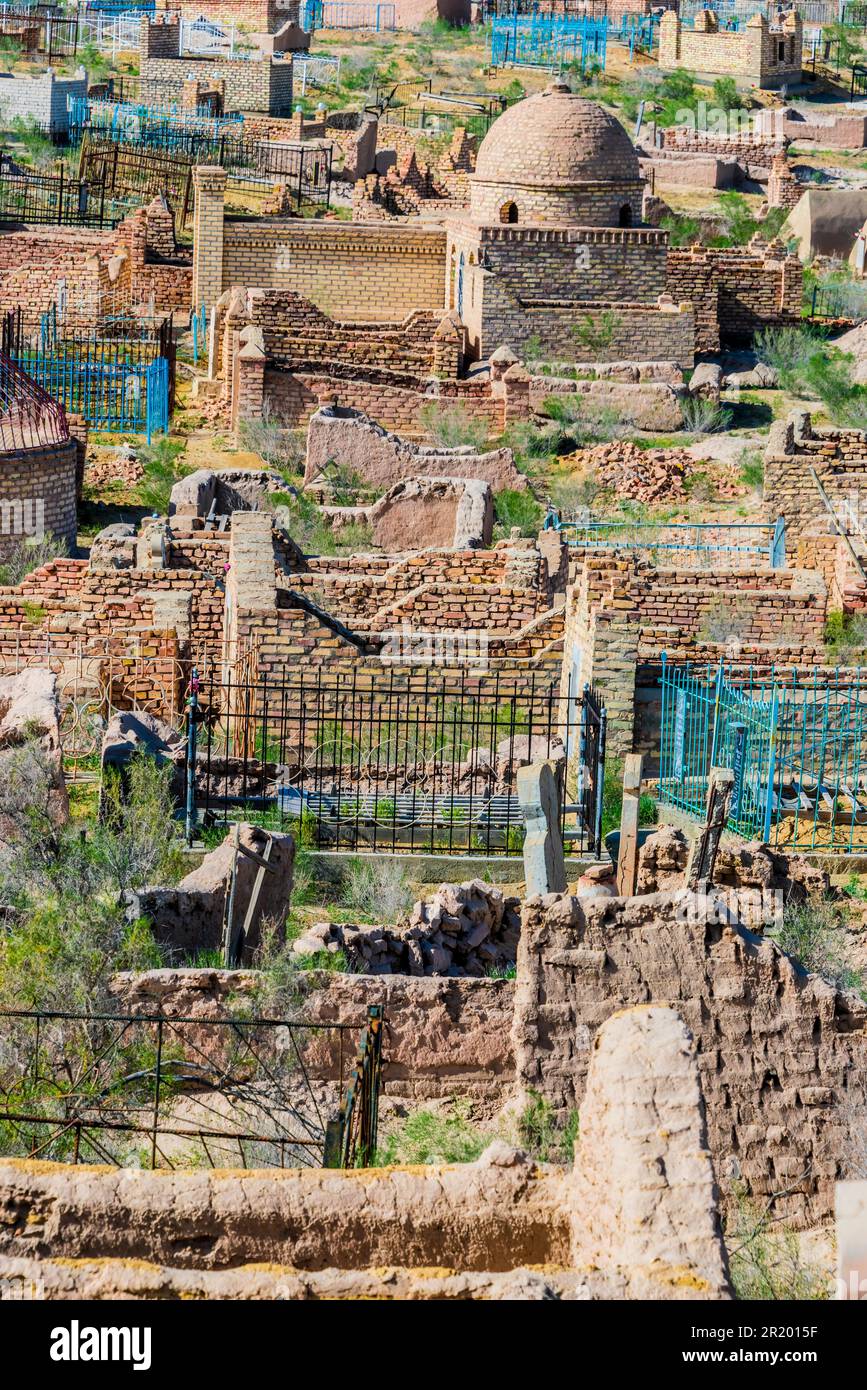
[192,714]
[157,1093]
[772,761]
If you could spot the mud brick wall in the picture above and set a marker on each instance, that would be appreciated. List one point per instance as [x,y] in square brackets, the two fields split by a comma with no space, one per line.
[735,293]
[839,459]
[294,396]
[463,1024]
[746,150]
[756,55]
[34,479]
[206,599]
[847,132]
[297,333]
[781,1054]
[348,272]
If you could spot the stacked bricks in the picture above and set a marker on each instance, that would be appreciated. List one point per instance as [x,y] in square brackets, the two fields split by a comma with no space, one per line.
[297,334]
[29,477]
[759,55]
[760,149]
[734,292]
[247,84]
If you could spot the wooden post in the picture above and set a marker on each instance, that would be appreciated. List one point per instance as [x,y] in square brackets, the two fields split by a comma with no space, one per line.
[702,859]
[627,854]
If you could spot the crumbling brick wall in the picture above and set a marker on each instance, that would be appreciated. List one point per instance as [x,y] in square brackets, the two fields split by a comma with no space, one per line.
[838,457]
[782,1055]
[43,478]
[735,292]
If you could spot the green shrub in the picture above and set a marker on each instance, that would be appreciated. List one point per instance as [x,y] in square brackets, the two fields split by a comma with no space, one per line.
[815,934]
[612,800]
[450,426]
[29,554]
[765,1259]
[516,509]
[702,416]
[428,1136]
[162,469]
[542,1136]
[378,888]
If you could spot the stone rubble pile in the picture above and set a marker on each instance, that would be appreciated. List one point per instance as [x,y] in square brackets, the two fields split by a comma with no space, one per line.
[649,475]
[464,929]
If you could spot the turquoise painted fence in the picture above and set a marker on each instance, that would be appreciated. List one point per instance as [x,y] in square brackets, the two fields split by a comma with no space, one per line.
[797,742]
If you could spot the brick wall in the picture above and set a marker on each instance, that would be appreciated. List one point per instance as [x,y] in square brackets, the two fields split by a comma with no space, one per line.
[258,16]
[45,475]
[526,269]
[736,292]
[247,84]
[296,333]
[348,272]
[756,55]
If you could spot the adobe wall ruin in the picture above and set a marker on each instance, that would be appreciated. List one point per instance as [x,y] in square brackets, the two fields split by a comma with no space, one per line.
[781,1054]
[635,1216]
[349,439]
[838,457]
[735,292]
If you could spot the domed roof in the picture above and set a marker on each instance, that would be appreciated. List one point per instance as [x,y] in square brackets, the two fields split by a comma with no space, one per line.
[554,139]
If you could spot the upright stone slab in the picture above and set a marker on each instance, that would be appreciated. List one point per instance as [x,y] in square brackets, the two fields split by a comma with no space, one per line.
[539,795]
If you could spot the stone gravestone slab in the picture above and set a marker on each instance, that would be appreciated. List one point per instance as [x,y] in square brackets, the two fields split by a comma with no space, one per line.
[539,795]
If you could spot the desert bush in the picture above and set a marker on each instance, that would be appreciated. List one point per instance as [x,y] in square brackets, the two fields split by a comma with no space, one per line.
[815,934]
[751,468]
[540,1134]
[845,637]
[513,509]
[162,469]
[450,426]
[378,888]
[428,1136]
[29,554]
[765,1259]
[581,421]
[278,447]
[702,416]
[597,334]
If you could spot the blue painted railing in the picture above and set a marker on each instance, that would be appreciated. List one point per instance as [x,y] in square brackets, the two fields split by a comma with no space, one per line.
[797,743]
[738,544]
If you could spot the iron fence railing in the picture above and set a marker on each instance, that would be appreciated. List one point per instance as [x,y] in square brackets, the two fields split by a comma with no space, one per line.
[796,742]
[548,41]
[353,1136]
[118,378]
[390,764]
[53,199]
[151,1091]
[29,416]
[727,545]
[347,14]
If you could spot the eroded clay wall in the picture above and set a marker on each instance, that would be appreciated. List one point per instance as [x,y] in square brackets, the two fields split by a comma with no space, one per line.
[782,1055]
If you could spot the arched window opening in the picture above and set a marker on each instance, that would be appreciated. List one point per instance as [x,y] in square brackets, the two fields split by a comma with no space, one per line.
[509,212]
[625,217]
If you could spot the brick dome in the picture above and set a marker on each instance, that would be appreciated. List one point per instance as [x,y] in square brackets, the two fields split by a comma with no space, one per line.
[557,157]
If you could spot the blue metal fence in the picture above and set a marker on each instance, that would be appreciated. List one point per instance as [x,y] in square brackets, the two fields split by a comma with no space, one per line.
[166,126]
[796,742]
[347,14]
[199,330]
[726,545]
[548,41]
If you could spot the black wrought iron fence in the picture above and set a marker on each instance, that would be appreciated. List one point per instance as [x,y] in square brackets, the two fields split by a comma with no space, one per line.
[153,1091]
[53,199]
[391,763]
